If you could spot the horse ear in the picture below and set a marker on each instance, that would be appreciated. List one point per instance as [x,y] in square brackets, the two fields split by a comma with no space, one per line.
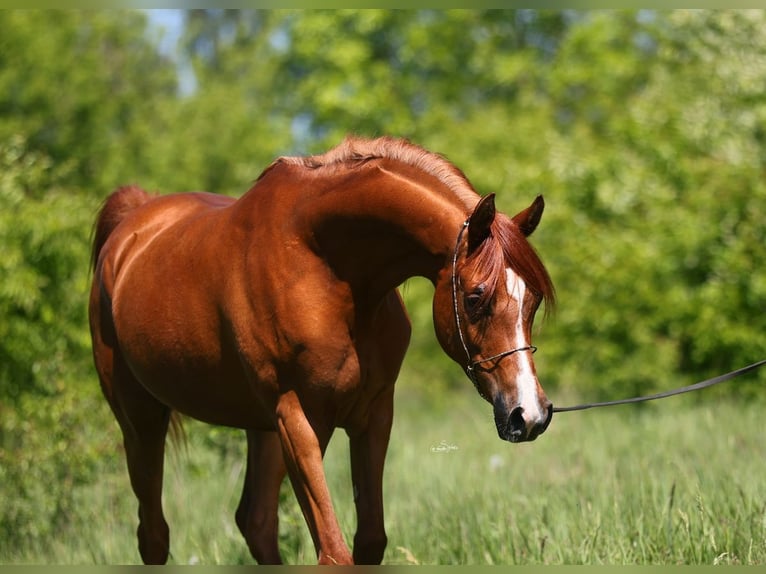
[528,219]
[481,220]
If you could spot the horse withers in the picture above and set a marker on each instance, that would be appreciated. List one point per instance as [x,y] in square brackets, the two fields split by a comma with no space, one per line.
[278,313]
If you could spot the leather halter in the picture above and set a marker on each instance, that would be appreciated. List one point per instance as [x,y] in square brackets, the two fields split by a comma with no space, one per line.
[471,364]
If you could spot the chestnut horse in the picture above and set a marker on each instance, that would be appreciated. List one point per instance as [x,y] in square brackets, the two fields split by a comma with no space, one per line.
[278,313]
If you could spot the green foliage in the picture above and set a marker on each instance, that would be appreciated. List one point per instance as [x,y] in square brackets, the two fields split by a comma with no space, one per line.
[81,87]
[45,408]
[44,234]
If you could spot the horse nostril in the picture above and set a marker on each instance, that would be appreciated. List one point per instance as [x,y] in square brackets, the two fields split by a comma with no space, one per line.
[516,424]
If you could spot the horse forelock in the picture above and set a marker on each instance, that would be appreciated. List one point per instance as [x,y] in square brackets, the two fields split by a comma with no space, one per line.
[506,247]
[355,151]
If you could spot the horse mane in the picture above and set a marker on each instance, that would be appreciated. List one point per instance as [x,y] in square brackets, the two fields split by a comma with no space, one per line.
[355,151]
[506,246]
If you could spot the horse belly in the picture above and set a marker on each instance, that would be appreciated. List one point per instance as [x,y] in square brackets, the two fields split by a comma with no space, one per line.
[220,402]
[176,349]
[209,393]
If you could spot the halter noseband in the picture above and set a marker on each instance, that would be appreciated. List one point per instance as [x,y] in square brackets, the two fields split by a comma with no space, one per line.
[471,364]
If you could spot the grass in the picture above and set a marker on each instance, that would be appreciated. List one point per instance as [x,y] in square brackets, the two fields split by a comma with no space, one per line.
[668,483]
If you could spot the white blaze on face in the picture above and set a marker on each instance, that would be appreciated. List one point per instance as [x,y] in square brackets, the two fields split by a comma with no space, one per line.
[526,381]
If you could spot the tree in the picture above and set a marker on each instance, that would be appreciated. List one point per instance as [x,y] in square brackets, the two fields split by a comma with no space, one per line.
[656,160]
[83,93]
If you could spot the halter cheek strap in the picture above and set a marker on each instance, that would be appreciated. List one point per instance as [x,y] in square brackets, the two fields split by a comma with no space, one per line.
[470,363]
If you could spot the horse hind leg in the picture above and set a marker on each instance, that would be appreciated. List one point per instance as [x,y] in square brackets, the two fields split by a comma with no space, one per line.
[258,511]
[144,423]
[145,450]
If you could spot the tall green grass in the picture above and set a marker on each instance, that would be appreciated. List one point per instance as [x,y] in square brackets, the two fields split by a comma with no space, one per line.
[667,483]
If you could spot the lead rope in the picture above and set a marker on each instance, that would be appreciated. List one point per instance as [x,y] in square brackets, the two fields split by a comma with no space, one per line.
[678,391]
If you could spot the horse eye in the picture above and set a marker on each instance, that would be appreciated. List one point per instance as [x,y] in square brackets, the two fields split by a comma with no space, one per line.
[472,301]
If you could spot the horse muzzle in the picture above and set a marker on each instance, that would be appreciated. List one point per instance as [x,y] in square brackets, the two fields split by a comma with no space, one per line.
[520,425]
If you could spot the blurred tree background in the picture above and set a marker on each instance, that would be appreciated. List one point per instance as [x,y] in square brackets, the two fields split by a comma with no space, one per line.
[645,131]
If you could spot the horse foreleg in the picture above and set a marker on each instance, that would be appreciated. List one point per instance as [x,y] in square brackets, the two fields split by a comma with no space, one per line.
[368,452]
[258,511]
[303,446]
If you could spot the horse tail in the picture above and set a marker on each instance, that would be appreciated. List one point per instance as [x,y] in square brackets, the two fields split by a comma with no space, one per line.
[119,203]
[178,438]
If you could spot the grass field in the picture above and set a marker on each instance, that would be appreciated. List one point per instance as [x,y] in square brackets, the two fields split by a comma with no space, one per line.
[667,483]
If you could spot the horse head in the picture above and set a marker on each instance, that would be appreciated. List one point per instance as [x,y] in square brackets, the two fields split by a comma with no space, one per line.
[484,306]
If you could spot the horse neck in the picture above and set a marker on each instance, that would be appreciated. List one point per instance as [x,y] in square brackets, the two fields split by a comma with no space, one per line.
[385,224]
